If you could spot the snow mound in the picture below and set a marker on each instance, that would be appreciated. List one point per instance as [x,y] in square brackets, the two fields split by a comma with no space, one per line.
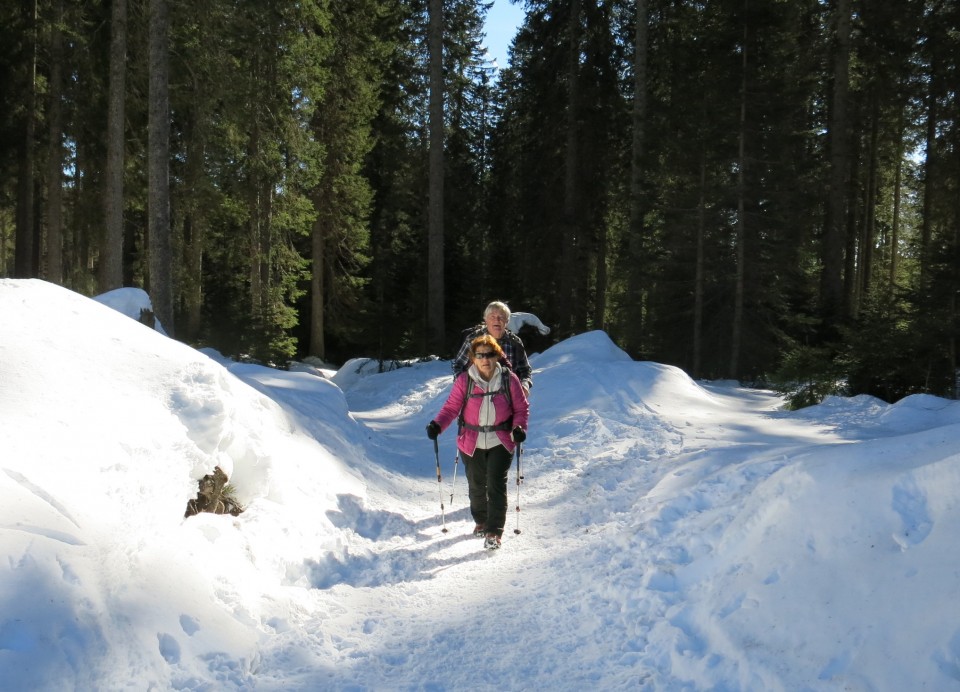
[602,377]
[132,302]
[92,507]
[357,369]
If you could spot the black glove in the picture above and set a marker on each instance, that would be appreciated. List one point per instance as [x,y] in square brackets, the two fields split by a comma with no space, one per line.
[433,430]
[519,435]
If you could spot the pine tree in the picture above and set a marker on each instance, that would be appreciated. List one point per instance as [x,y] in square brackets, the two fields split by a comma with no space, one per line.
[342,196]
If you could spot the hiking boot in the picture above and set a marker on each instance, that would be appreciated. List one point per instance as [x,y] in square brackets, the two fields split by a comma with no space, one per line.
[492,541]
[479,530]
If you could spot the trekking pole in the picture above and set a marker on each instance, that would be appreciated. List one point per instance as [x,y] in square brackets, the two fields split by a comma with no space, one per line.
[519,481]
[453,486]
[436,452]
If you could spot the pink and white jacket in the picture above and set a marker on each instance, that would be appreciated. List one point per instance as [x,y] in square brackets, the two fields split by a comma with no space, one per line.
[500,413]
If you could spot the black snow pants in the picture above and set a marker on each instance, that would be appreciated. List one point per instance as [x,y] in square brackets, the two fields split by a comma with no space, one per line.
[487,486]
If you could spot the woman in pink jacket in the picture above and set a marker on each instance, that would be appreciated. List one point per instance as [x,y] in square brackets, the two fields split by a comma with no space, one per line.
[492,409]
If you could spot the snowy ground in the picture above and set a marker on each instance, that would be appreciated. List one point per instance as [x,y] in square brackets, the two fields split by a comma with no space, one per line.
[673,535]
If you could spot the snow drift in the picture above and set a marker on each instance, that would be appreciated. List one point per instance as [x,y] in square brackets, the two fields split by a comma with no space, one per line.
[670,534]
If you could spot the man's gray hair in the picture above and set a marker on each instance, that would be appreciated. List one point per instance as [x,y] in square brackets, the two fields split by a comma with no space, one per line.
[499,306]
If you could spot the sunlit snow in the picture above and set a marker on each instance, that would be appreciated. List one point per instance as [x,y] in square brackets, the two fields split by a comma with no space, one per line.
[671,534]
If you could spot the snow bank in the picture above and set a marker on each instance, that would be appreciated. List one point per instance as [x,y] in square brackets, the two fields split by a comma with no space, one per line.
[107,425]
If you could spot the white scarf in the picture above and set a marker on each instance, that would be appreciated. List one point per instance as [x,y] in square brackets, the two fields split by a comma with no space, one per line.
[487,414]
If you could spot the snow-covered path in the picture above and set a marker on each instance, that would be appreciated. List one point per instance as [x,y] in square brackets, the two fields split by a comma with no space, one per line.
[625,502]
[674,535]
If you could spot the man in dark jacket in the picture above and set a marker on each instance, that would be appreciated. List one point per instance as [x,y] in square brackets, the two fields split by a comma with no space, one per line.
[495,319]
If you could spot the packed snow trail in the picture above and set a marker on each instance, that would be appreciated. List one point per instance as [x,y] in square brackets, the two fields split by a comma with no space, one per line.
[675,535]
[593,505]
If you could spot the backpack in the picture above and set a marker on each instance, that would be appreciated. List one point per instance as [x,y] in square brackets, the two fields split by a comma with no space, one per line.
[472,332]
[504,389]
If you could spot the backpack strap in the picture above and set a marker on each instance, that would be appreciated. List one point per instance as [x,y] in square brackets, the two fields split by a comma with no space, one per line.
[504,389]
[505,386]
[506,425]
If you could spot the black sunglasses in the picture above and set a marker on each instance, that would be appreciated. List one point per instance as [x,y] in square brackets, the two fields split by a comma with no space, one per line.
[485,354]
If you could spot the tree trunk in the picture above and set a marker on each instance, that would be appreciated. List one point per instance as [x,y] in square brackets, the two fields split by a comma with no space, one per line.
[436,326]
[699,270]
[635,242]
[25,265]
[55,155]
[79,231]
[259,211]
[930,162]
[834,232]
[851,235]
[318,346]
[870,206]
[195,220]
[600,299]
[895,223]
[952,312]
[571,232]
[253,221]
[161,260]
[111,252]
[741,241]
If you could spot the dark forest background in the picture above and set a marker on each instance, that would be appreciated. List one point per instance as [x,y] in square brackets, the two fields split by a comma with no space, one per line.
[759,190]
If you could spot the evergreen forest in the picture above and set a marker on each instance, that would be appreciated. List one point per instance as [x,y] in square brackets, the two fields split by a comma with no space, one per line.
[765,191]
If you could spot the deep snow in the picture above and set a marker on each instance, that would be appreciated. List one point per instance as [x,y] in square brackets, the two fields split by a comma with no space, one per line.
[674,535]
